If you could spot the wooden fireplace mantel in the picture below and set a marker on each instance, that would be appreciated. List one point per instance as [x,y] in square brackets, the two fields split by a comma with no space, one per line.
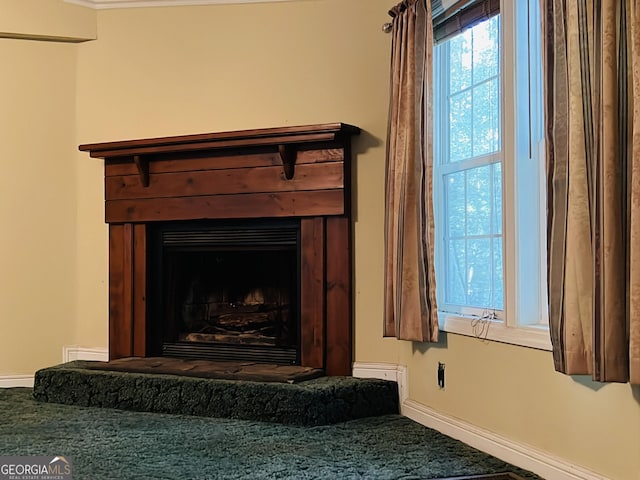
[211,141]
[301,172]
[287,139]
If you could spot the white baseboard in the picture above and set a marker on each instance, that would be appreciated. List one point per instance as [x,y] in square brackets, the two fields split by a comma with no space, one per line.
[518,454]
[69,353]
[385,371]
[74,352]
[11,381]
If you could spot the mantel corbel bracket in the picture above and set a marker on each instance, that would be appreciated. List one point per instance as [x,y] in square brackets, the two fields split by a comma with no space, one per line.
[288,154]
[142,165]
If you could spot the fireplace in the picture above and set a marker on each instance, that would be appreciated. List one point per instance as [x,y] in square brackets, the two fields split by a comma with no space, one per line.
[232,245]
[226,290]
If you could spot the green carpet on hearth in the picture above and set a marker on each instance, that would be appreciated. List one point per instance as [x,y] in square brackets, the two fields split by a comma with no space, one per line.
[107,444]
[318,401]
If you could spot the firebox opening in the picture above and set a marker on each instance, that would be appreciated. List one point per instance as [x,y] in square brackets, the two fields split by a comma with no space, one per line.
[229,292]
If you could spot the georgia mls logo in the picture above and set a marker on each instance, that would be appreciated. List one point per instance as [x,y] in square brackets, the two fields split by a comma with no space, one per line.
[35,468]
[59,466]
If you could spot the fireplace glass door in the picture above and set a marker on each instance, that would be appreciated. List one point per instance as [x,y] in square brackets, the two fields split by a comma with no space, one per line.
[228,291]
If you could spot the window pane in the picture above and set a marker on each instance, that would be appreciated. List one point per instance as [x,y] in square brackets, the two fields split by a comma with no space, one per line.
[486,118]
[456,272]
[479,272]
[473,59]
[460,61]
[460,126]
[486,53]
[455,206]
[498,275]
[497,198]
[479,201]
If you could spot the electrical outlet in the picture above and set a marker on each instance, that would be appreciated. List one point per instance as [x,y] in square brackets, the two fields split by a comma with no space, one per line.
[441,375]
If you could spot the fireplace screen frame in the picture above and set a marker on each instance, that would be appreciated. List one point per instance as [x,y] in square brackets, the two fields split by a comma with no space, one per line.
[221,238]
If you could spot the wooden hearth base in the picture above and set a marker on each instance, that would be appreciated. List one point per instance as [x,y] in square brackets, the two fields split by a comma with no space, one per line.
[249,371]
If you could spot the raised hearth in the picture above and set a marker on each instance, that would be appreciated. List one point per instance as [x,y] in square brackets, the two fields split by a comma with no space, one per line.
[297,306]
[319,401]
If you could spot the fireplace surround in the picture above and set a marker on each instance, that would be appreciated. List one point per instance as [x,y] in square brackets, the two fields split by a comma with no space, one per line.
[294,176]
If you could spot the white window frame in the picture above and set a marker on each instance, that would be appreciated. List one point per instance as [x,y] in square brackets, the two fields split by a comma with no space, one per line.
[524,320]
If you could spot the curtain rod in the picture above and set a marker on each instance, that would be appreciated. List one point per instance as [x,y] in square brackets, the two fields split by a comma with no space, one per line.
[440,10]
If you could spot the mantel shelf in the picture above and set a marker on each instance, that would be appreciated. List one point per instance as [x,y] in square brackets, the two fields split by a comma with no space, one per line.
[222,140]
[287,140]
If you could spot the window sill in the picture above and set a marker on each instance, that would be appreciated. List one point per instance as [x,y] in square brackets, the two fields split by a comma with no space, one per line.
[526,336]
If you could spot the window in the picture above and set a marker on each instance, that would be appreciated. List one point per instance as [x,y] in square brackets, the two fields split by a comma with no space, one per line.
[489,173]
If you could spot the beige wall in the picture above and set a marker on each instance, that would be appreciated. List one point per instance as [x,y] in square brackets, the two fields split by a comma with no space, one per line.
[181,70]
[38,181]
[37,203]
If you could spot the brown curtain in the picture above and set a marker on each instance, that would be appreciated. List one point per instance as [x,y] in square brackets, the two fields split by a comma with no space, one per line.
[592,69]
[410,301]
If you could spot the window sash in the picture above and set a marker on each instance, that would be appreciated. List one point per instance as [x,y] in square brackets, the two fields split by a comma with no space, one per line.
[455,295]
[443,168]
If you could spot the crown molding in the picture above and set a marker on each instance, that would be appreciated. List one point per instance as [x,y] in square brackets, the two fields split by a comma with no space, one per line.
[106,4]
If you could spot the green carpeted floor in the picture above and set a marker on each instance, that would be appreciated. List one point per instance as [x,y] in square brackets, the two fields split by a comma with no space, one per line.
[107,444]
